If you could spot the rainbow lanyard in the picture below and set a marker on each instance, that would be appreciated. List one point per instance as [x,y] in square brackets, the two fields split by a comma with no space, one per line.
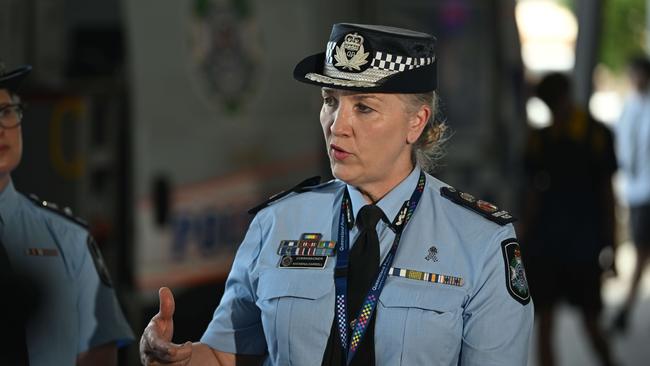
[341,272]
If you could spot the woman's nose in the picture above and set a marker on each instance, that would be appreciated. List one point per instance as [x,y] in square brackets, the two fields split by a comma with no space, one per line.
[341,121]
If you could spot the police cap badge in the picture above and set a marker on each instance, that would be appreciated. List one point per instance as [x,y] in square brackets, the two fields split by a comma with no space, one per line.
[373,58]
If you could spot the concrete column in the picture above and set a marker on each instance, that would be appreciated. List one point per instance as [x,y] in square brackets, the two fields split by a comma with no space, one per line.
[587,46]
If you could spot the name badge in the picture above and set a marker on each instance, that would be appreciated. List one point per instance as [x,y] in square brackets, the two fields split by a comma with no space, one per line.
[302,261]
[42,252]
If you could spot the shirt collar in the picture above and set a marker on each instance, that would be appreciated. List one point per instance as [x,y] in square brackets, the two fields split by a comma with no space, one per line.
[8,203]
[392,202]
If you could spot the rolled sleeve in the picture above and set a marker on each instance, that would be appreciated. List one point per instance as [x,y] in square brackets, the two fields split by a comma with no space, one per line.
[497,327]
[236,326]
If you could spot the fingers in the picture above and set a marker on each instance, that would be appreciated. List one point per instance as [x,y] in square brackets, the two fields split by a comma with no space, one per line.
[156,352]
[181,351]
[155,344]
[167,304]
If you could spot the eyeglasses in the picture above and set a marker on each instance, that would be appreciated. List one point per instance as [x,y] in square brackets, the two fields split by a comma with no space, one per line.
[11,115]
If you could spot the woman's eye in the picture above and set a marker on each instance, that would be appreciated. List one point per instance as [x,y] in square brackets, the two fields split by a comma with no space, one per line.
[364,108]
[7,112]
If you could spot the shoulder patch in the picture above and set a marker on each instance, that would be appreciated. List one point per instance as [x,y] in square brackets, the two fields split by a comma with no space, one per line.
[100,265]
[483,208]
[65,212]
[516,281]
[304,186]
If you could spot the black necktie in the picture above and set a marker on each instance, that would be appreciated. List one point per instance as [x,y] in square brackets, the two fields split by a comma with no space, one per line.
[13,344]
[362,269]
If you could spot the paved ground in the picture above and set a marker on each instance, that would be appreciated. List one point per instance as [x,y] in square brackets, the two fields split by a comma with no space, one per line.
[632,349]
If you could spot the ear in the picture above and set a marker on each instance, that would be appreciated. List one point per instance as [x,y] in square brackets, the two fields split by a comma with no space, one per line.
[417,122]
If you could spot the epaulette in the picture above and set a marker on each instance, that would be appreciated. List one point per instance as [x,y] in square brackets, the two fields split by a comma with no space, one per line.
[483,208]
[304,186]
[65,212]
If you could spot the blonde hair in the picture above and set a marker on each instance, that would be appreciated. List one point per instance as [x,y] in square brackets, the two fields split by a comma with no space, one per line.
[428,149]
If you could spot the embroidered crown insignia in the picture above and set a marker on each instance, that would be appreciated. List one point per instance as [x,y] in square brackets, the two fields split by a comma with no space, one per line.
[351,54]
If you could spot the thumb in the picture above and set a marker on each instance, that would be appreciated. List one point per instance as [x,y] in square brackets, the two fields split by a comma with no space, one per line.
[167,304]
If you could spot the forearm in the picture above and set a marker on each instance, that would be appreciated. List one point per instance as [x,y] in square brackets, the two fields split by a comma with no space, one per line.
[202,354]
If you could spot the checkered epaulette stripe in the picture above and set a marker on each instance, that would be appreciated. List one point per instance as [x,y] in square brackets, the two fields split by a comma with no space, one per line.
[328,53]
[386,61]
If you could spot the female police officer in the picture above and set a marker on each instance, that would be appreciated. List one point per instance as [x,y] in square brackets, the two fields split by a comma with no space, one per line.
[78,320]
[384,265]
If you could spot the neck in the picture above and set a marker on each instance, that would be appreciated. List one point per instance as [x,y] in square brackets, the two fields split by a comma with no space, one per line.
[375,191]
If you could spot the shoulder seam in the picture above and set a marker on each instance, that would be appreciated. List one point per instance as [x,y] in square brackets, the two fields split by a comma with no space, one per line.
[65,212]
[306,185]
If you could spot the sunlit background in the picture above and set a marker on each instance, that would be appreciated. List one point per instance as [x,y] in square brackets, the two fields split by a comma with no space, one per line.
[548,32]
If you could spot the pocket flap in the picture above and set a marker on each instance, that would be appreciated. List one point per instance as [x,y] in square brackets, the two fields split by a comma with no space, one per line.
[302,283]
[406,293]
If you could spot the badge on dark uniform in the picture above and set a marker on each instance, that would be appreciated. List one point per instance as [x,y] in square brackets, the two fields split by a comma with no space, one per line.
[100,265]
[486,209]
[467,197]
[516,281]
[486,206]
[350,54]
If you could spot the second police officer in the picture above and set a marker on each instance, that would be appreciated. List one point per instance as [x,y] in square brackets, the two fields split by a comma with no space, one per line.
[77,320]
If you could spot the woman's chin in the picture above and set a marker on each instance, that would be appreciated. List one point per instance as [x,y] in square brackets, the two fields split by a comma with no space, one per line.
[342,172]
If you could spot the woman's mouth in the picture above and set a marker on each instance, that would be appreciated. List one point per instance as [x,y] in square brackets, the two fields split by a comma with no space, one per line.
[338,153]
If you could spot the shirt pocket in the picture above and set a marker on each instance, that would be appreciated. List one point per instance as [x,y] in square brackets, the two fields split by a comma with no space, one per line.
[297,311]
[424,318]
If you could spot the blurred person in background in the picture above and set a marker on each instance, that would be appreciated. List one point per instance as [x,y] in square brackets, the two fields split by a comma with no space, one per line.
[633,151]
[78,320]
[434,277]
[568,214]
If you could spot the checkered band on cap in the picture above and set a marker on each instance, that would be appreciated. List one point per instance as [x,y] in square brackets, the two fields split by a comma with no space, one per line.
[382,65]
[374,58]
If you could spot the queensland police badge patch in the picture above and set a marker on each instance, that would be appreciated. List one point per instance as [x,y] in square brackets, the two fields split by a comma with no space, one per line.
[516,281]
[100,266]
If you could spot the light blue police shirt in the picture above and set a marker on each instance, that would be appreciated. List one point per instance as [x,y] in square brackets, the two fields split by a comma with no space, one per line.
[78,311]
[287,313]
[633,148]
